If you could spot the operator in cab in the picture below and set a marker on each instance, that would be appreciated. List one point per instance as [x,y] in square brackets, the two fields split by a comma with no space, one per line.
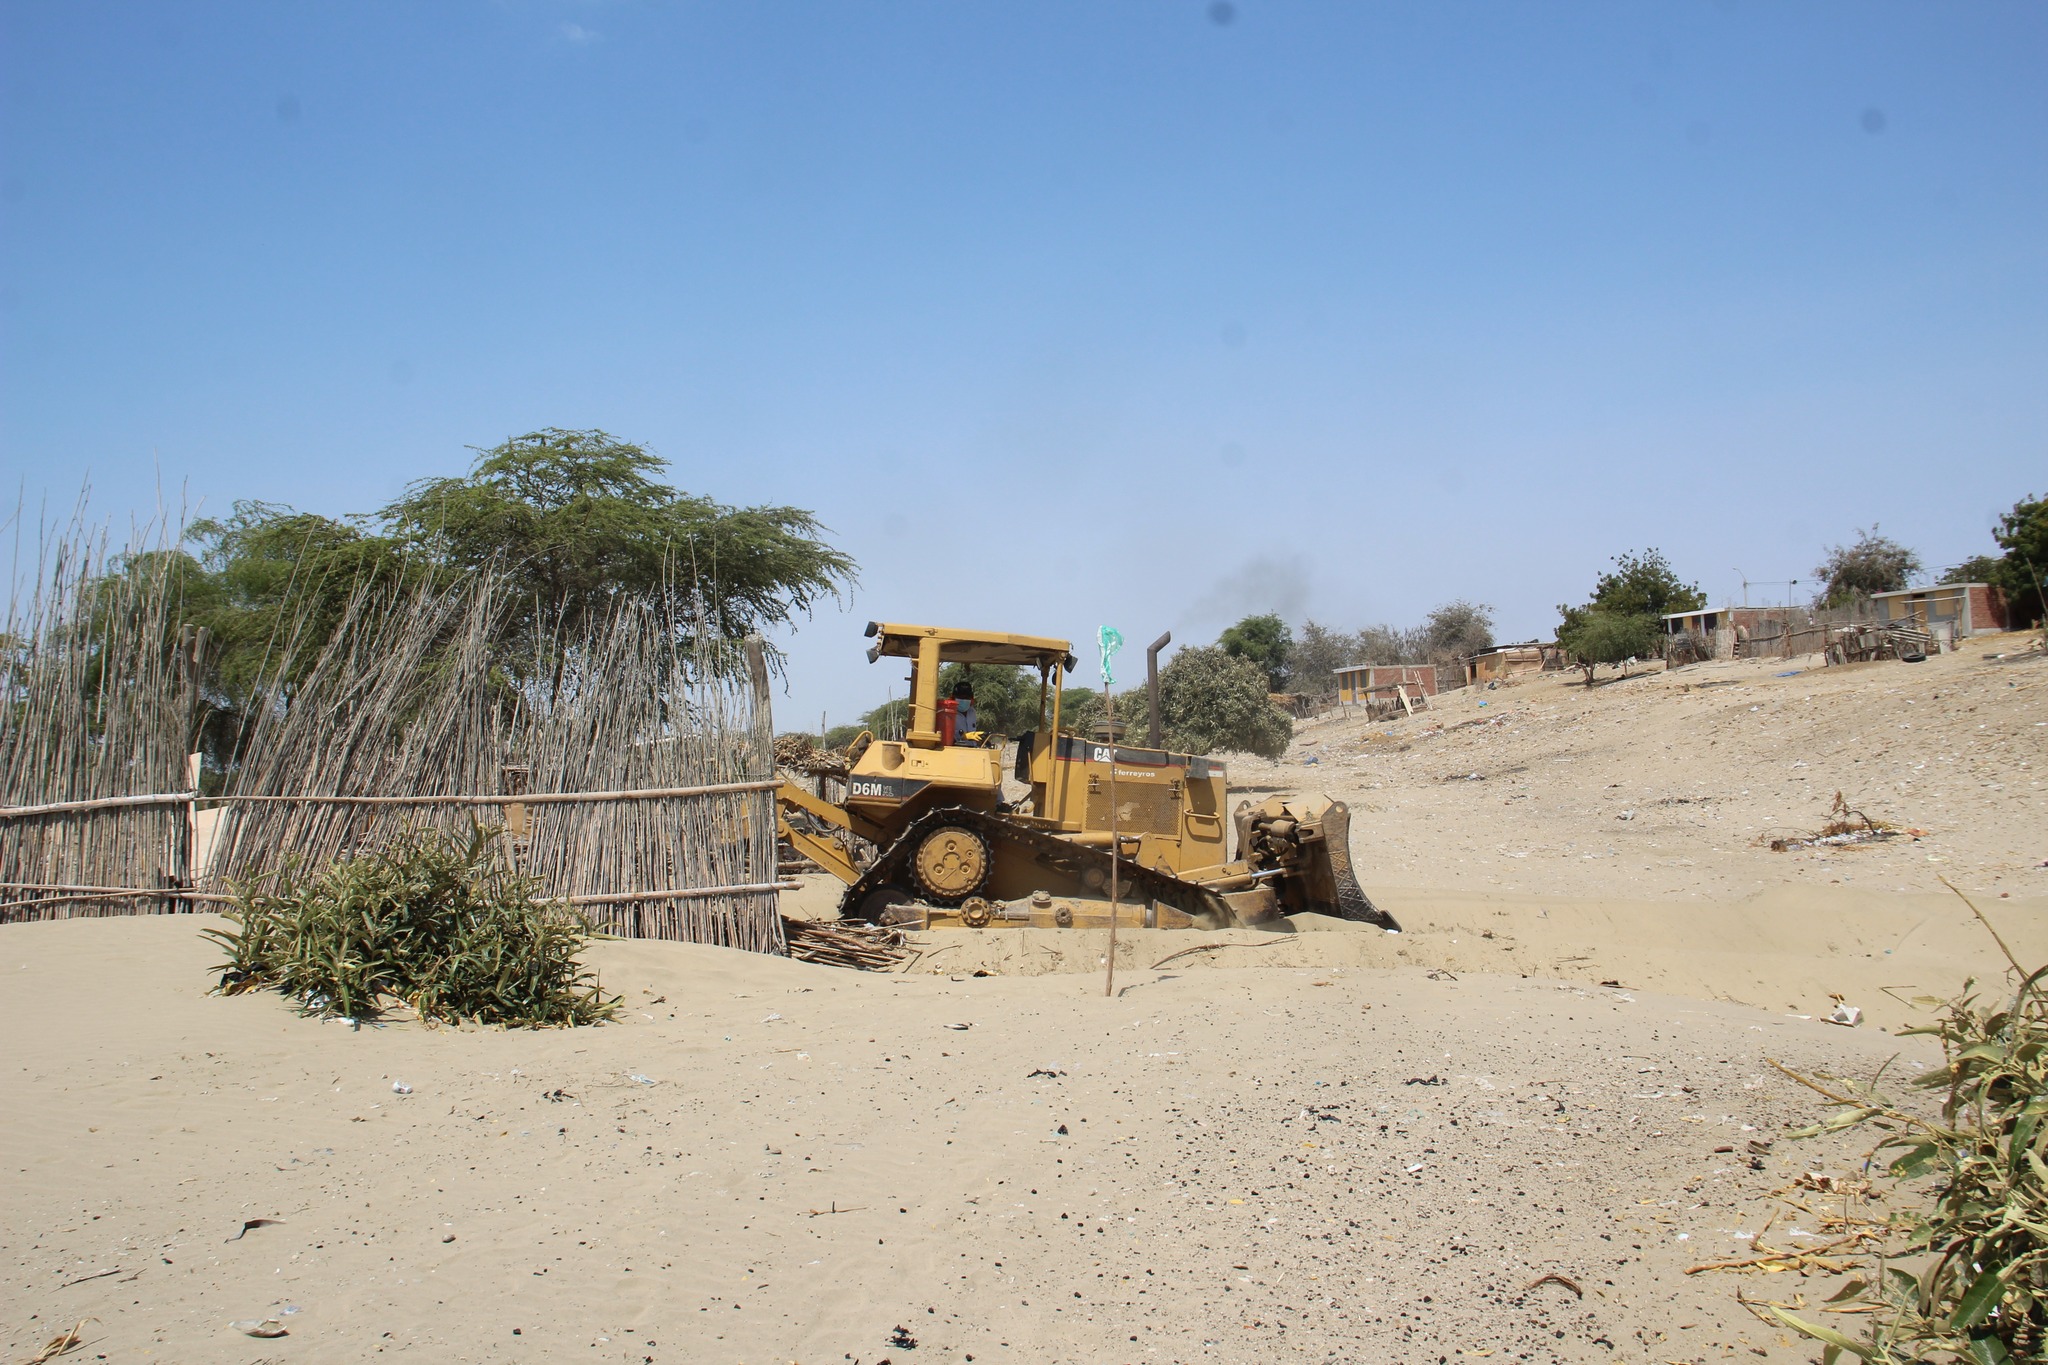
[968,723]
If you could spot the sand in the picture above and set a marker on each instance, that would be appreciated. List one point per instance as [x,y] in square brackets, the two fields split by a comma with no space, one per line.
[1339,1145]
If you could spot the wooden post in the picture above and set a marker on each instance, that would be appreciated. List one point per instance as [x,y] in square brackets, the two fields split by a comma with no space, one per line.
[1115,850]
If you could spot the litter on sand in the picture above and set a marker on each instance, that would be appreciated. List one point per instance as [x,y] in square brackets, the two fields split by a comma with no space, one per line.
[260,1327]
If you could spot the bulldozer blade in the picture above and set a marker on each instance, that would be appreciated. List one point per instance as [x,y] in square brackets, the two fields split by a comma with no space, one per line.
[1352,902]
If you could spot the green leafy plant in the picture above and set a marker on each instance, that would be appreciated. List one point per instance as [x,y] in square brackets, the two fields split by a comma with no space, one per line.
[434,921]
[1963,1274]
[1211,700]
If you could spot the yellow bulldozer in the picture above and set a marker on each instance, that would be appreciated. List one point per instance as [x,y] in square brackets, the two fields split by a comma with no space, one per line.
[922,833]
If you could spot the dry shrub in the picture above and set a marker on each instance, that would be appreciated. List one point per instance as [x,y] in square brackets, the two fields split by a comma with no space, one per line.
[433,921]
[1973,1285]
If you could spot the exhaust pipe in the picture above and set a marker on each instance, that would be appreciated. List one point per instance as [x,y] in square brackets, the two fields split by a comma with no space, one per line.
[1152,739]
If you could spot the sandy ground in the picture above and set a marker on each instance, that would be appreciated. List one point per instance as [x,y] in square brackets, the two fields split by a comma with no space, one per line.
[1333,1145]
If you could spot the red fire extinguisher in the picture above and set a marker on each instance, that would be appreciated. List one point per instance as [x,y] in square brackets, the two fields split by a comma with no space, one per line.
[949,719]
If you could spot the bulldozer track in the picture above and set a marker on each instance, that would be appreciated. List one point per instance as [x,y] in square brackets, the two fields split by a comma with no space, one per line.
[893,866]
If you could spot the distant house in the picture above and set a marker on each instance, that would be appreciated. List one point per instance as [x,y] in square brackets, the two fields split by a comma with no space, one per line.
[1966,608]
[1362,683]
[1512,661]
[1730,632]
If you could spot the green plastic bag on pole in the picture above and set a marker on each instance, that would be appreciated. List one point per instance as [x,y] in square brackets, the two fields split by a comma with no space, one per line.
[1109,642]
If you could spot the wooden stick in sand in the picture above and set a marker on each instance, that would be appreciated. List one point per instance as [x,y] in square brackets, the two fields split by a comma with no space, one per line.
[1109,716]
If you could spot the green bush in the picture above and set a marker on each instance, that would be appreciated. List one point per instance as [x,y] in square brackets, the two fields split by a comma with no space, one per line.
[434,922]
[1973,1286]
[1211,700]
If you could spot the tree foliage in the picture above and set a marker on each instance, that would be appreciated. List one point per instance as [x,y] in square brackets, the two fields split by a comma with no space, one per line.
[1005,696]
[1453,631]
[2023,534]
[1266,641]
[1624,619]
[1457,630]
[1976,569]
[1598,636]
[1317,655]
[1872,564]
[1210,700]
[578,517]
[1644,585]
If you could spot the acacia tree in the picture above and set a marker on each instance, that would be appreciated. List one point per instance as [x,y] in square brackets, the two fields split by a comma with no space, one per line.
[577,517]
[1873,564]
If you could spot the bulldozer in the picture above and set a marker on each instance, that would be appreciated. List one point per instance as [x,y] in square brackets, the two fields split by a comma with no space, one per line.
[1101,831]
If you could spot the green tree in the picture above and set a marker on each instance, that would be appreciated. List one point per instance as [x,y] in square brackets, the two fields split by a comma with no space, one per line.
[1210,699]
[577,516]
[890,720]
[1265,640]
[2023,534]
[274,582]
[1597,636]
[1645,585]
[1457,630]
[1639,591]
[1872,564]
[1976,569]
[1005,697]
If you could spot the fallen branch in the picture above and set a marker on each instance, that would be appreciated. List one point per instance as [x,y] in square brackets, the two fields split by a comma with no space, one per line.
[1809,1257]
[1214,947]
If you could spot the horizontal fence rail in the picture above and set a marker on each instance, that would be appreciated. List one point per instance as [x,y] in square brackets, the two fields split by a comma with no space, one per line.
[314,799]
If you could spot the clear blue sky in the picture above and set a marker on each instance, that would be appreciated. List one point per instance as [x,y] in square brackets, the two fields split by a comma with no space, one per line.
[1059,313]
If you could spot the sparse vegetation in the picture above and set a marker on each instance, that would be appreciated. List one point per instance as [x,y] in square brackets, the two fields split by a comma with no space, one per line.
[435,922]
[1453,631]
[1873,564]
[1963,1275]
[1624,619]
[1607,637]
[1211,700]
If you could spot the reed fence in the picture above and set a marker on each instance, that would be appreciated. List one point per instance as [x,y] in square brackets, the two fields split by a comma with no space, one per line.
[98,701]
[631,770]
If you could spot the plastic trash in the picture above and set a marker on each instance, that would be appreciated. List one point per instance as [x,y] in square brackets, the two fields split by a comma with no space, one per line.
[1848,1016]
[260,1327]
[639,1079]
[400,1088]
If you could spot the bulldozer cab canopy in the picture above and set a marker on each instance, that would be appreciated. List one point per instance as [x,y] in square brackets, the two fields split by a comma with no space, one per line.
[968,646]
